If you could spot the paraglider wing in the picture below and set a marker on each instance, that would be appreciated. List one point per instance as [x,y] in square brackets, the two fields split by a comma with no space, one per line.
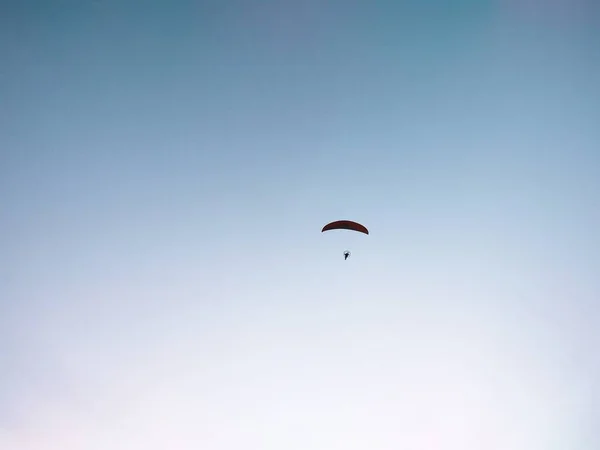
[345,225]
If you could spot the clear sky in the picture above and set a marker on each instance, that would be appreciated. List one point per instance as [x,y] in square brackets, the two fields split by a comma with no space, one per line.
[165,171]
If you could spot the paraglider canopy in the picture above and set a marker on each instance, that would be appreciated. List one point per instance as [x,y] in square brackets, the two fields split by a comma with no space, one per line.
[345,225]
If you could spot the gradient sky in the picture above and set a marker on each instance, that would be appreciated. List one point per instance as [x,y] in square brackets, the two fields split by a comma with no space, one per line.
[166,168]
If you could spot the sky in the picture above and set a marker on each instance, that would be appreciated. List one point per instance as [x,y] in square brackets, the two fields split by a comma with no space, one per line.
[165,172]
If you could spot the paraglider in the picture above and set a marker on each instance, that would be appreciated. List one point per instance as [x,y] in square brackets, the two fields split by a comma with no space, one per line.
[345,225]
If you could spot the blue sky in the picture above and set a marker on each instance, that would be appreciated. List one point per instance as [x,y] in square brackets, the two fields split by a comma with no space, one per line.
[166,168]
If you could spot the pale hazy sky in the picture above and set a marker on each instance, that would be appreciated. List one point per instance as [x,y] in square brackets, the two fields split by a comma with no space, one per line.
[165,171]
